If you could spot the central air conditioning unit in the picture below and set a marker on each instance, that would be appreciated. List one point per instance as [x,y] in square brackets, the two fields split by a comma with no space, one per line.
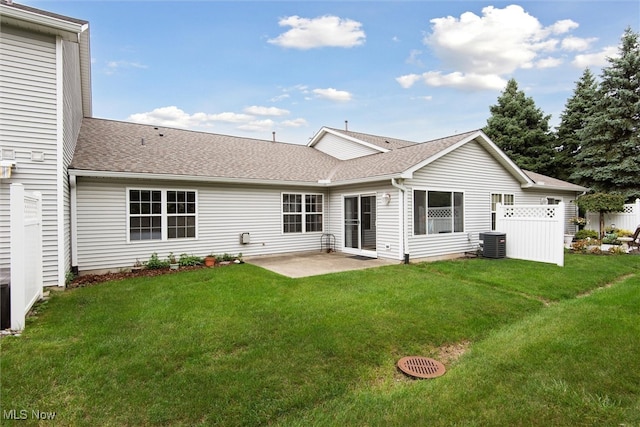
[494,244]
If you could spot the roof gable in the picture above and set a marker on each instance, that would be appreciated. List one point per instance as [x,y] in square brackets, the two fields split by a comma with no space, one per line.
[346,145]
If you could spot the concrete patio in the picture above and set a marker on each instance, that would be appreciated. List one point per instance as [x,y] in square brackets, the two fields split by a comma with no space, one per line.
[315,263]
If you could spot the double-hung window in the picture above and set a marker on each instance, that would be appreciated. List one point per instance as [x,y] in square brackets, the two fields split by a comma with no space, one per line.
[161,214]
[505,199]
[302,213]
[438,212]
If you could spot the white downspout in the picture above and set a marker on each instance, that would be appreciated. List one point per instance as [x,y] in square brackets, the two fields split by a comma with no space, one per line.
[403,219]
[73,201]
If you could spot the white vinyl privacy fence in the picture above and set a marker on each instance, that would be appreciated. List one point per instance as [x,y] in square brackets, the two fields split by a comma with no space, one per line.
[26,253]
[534,232]
[628,219]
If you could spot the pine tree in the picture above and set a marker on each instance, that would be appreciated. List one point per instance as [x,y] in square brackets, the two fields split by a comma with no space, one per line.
[609,159]
[521,130]
[572,121]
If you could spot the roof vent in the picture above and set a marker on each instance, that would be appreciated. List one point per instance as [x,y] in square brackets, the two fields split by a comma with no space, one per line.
[346,125]
[274,135]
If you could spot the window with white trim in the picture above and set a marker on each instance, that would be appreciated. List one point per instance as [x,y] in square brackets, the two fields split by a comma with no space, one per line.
[505,199]
[302,213]
[438,212]
[161,214]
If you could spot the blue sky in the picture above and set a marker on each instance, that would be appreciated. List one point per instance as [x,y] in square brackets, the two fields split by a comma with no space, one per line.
[416,70]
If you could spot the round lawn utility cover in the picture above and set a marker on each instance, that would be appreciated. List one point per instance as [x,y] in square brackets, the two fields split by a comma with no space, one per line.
[421,367]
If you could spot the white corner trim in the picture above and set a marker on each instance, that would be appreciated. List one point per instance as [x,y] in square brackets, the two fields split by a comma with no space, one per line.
[60,173]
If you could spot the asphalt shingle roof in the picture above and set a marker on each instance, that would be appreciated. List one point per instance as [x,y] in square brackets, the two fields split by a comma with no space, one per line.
[113,146]
[106,145]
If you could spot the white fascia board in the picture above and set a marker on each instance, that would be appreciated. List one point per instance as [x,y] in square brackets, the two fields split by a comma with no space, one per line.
[363,180]
[578,189]
[84,41]
[192,178]
[318,136]
[47,24]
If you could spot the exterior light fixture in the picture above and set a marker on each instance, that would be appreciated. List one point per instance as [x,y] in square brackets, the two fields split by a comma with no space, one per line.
[5,169]
[386,198]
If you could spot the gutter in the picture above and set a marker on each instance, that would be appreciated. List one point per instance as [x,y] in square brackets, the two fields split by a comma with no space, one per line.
[403,218]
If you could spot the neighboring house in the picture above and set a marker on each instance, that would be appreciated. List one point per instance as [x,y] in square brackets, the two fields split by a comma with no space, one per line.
[139,189]
[45,91]
[115,192]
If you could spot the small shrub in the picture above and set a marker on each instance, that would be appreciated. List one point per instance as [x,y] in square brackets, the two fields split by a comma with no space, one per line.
[224,257]
[581,246]
[624,233]
[156,263]
[583,234]
[617,250]
[611,239]
[68,277]
[595,251]
[189,260]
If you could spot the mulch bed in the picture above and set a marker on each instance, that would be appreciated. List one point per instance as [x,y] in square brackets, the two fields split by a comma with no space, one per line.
[94,279]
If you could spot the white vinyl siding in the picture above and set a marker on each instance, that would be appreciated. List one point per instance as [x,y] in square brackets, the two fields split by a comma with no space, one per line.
[472,170]
[224,213]
[73,114]
[342,148]
[28,125]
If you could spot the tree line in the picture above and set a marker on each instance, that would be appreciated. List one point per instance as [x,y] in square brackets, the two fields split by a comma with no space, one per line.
[597,143]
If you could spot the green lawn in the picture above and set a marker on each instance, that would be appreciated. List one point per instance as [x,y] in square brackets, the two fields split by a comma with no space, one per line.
[243,346]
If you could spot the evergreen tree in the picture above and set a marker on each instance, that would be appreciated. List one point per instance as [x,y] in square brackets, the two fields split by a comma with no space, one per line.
[572,121]
[609,159]
[521,130]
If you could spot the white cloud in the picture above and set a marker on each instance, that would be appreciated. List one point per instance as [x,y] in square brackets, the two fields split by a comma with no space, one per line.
[563,26]
[480,51]
[333,94]
[173,116]
[331,31]
[258,125]
[296,123]
[408,80]
[114,66]
[577,44]
[597,59]
[464,81]
[266,111]
[280,97]
[414,57]
[548,62]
